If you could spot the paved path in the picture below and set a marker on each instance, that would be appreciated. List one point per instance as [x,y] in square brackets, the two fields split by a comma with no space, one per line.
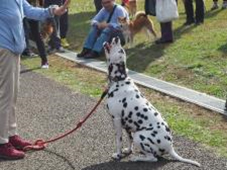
[201,99]
[46,108]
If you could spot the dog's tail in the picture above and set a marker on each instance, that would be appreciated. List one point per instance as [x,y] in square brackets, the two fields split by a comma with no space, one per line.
[179,158]
[140,14]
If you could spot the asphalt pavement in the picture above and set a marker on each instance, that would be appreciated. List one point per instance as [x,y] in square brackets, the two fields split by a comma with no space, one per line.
[46,109]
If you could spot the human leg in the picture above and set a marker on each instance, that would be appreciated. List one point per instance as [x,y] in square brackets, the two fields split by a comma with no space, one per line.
[64,29]
[166,33]
[189,12]
[34,25]
[9,82]
[199,11]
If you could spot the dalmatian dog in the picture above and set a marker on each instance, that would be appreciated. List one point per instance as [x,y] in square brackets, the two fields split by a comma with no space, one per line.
[131,111]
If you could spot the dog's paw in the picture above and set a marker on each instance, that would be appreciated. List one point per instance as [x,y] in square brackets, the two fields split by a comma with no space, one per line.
[127,151]
[116,156]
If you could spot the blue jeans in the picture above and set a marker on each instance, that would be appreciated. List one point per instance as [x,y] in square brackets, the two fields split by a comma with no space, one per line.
[97,37]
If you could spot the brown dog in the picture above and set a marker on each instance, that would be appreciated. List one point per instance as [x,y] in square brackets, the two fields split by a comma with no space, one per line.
[46,31]
[131,28]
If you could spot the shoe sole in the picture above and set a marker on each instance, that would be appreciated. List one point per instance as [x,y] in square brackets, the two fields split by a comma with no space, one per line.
[10,158]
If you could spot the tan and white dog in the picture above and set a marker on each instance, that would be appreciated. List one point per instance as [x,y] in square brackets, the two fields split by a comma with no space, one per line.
[131,28]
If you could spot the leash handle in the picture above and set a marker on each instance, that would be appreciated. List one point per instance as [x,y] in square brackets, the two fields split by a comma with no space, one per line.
[40,144]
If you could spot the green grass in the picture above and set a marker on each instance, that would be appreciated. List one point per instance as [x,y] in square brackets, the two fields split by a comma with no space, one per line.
[197,59]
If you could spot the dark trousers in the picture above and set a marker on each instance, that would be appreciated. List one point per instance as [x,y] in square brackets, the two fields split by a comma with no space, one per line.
[166,31]
[199,11]
[64,25]
[34,28]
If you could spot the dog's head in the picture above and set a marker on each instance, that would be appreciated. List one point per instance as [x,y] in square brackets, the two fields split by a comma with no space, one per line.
[123,22]
[114,51]
[116,59]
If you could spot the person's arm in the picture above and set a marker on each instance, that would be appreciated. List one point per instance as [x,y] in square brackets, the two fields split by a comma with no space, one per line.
[98,17]
[37,13]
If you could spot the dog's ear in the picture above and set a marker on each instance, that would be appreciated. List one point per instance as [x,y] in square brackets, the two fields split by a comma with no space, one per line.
[106,47]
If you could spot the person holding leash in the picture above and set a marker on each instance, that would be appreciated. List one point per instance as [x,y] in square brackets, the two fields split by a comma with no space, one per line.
[12,44]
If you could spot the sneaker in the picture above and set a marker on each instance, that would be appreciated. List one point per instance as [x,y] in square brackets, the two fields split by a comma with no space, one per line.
[45,66]
[215,6]
[7,151]
[92,54]
[60,50]
[224,5]
[18,142]
[64,42]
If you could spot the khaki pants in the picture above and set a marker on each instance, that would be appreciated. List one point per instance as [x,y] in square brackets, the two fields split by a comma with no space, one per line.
[9,83]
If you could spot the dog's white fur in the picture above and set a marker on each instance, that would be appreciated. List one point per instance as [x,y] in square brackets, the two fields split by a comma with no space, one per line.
[130,110]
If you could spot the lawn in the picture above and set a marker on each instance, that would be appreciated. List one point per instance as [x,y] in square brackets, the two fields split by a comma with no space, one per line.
[197,59]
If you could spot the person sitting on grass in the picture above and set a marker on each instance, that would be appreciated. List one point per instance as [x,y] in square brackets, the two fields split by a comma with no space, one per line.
[104,26]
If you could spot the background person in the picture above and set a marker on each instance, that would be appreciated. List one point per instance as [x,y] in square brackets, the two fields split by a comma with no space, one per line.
[104,26]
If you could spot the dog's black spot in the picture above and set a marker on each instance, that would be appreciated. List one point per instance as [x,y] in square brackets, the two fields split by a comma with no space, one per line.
[138,114]
[155,132]
[168,138]
[126,119]
[158,127]
[142,137]
[167,129]
[122,113]
[125,105]
[122,122]
[136,108]
[140,122]
[156,114]
[130,121]
[145,109]
[145,117]
[121,51]
[147,145]
[137,125]
[150,128]
[107,106]
[136,90]
[113,117]
[158,141]
[150,125]
[124,100]
[120,138]
[158,123]
[141,144]
[163,123]
[127,82]
[130,115]
[151,140]
[117,85]
[137,96]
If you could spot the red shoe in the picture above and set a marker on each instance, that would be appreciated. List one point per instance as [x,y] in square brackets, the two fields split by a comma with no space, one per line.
[7,151]
[18,142]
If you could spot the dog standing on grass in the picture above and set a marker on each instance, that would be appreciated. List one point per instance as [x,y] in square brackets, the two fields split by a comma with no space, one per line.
[131,28]
[130,110]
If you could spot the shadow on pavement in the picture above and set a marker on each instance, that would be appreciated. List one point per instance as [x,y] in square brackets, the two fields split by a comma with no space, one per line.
[115,165]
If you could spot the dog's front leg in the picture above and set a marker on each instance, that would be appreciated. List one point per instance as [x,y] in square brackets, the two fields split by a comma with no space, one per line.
[129,149]
[118,135]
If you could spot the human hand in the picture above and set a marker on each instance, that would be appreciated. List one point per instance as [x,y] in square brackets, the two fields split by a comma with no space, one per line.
[62,9]
[102,25]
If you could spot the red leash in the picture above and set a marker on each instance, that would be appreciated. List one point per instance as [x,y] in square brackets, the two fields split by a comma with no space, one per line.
[40,144]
